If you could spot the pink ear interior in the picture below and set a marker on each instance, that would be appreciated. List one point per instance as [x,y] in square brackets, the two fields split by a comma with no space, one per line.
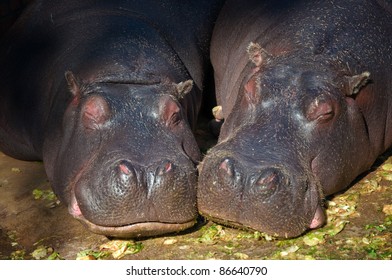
[73,83]
[169,110]
[251,92]
[95,112]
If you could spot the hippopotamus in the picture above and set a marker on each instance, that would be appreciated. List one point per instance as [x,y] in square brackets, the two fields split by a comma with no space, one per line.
[304,89]
[106,94]
[9,12]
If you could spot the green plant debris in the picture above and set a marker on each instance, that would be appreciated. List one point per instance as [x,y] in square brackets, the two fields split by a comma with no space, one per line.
[54,256]
[371,247]
[46,195]
[210,255]
[211,234]
[388,221]
[12,235]
[18,255]
[379,228]
[317,237]
[387,209]
[116,248]
[16,170]
[229,247]
[170,241]
[92,255]
[289,250]
[386,175]
[245,235]
[268,237]
[254,235]
[369,186]
[342,206]
[387,167]
[120,248]
[241,256]
[314,238]
[43,252]
[39,253]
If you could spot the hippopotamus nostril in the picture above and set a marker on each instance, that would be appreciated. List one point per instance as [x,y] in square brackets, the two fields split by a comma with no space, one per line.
[264,181]
[126,171]
[124,168]
[165,168]
[268,181]
[227,167]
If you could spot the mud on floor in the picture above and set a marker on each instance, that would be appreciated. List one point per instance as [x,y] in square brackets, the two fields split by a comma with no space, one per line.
[34,225]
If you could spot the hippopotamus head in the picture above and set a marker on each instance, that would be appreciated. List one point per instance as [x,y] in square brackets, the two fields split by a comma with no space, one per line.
[294,135]
[125,158]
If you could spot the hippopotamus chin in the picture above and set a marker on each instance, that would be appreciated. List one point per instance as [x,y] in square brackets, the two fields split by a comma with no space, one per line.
[306,109]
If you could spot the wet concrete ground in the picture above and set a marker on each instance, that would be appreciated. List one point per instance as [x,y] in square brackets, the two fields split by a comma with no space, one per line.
[34,225]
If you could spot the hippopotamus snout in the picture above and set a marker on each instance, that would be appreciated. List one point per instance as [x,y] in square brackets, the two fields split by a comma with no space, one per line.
[271,198]
[128,200]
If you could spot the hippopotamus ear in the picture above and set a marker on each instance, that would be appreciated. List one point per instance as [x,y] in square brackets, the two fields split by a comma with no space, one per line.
[169,110]
[183,88]
[355,83]
[73,83]
[257,54]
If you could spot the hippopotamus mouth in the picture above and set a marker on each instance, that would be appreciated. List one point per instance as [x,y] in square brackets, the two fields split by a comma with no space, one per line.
[136,230]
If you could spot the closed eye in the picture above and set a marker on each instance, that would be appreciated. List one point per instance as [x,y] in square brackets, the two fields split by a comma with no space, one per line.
[320,111]
[175,119]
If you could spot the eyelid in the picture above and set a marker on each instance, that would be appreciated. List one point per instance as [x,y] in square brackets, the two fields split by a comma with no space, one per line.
[320,110]
[175,118]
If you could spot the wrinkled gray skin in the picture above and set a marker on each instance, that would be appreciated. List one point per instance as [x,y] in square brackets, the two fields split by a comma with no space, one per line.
[99,90]
[302,115]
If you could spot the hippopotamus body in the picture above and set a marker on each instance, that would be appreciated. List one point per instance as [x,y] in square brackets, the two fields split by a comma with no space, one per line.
[305,89]
[106,94]
[9,12]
